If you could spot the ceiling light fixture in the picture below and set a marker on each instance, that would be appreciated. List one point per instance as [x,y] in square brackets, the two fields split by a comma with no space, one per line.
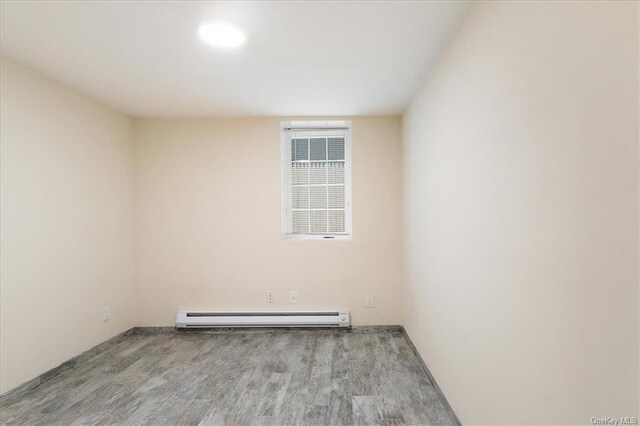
[224,36]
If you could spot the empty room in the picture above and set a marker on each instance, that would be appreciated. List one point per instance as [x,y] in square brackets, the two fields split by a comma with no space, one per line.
[319,212]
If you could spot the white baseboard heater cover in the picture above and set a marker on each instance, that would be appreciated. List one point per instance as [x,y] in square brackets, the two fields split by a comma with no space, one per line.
[195,319]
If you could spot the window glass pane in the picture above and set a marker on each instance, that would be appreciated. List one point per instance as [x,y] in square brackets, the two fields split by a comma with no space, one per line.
[318,174]
[299,149]
[300,197]
[336,149]
[316,187]
[318,222]
[318,149]
[318,199]
[300,223]
[299,173]
[336,172]
[336,197]
[336,221]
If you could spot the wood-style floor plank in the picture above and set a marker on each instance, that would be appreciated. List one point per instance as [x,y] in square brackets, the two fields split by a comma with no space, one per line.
[240,378]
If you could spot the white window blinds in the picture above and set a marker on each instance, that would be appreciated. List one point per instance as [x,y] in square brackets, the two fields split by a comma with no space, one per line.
[317,190]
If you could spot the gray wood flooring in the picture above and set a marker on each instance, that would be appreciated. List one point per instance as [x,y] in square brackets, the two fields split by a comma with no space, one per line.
[241,377]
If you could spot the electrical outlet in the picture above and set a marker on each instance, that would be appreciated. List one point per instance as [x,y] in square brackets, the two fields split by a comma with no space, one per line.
[269,297]
[371,301]
[106,314]
[293,297]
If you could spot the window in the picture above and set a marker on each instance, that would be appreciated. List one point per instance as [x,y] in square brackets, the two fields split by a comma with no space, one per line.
[316,171]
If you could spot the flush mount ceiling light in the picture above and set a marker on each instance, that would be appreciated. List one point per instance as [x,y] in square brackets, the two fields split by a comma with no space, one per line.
[224,36]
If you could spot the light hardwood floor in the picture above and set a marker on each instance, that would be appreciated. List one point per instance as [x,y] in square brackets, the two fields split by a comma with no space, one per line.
[240,377]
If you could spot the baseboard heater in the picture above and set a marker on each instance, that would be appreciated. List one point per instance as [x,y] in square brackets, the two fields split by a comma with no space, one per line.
[191,319]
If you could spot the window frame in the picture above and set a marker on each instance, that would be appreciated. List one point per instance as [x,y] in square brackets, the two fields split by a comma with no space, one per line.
[325,129]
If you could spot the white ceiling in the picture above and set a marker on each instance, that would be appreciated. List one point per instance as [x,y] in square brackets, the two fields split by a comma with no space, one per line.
[301,58]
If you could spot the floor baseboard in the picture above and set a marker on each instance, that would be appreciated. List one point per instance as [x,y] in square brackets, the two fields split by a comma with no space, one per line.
[434,383]
[218,330]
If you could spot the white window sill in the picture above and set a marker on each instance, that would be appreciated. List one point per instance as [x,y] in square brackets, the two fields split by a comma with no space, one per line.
[301,237]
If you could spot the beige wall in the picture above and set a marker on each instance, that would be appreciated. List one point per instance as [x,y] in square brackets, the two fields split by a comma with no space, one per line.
[522,213]
[67,224]
[208,223]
